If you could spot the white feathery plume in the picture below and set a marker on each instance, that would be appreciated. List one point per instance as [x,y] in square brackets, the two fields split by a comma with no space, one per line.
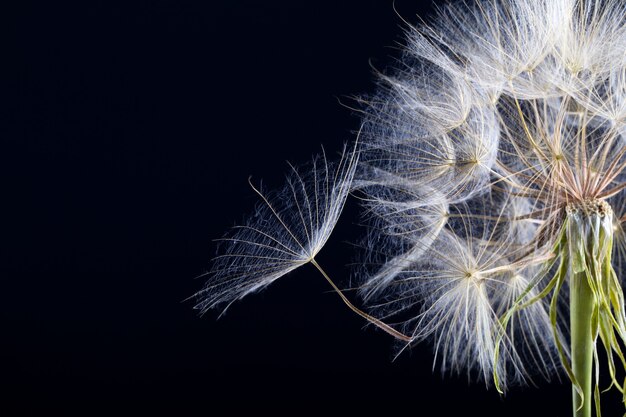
[287,230]
[592,43]
[415,218]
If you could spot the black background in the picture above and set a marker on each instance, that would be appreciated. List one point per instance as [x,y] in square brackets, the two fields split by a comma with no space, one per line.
[129,133]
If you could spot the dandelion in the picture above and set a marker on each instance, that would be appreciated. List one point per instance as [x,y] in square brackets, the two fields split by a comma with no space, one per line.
[492,169]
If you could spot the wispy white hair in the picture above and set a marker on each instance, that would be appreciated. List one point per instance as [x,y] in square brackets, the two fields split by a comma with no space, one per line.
[287,230]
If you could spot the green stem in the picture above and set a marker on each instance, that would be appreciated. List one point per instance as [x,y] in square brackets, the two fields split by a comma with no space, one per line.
[597,307]
[581,309]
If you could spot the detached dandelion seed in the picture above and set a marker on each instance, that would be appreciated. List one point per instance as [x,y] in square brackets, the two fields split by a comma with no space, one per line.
[492,169]
[287,231]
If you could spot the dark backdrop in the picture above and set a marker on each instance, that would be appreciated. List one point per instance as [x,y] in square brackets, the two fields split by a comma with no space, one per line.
[128,136]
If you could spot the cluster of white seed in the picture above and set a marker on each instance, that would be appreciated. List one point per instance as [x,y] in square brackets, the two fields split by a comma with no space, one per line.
[497,117]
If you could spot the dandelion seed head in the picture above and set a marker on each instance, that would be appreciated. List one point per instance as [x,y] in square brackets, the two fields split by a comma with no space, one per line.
[498,116]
